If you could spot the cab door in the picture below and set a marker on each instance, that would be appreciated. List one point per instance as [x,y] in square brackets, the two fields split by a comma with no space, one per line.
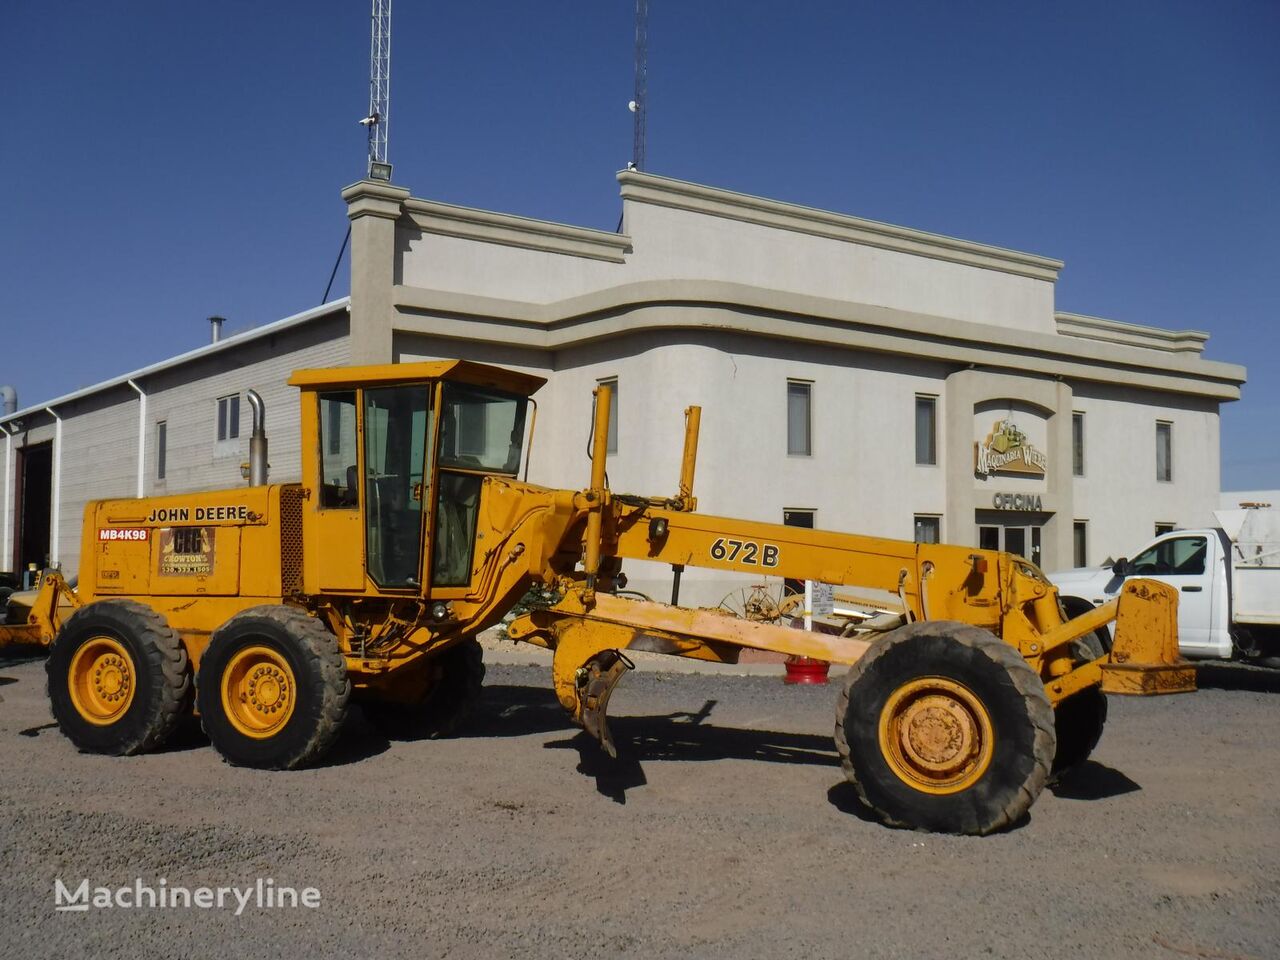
[1184,562]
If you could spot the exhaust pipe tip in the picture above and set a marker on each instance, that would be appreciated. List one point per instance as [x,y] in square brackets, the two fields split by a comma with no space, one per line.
[258,467]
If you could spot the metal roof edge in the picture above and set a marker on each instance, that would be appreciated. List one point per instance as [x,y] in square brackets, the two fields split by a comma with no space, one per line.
[275,326]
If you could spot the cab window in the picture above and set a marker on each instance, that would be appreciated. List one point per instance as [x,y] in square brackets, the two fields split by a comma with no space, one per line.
[1181,556]
[481,431]
[396,427]
[339,482]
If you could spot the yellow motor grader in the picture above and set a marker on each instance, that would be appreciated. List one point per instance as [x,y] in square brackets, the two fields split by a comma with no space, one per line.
[269,608]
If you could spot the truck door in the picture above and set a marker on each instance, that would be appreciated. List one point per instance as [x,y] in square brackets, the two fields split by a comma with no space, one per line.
[1184,562]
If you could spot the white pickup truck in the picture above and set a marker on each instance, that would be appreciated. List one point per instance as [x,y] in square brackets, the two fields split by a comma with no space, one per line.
[1228,581]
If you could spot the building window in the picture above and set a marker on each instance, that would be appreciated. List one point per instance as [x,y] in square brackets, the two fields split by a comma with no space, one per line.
[612,384]
[229,417]
[926,430]
[1080,543]
[1164,450]
[1163,528]
[799,418]
[1077,444]
[162,448]
[928,529]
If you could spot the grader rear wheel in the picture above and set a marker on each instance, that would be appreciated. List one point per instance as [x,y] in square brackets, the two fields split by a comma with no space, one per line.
[272,689]
[119,678]
[944,727]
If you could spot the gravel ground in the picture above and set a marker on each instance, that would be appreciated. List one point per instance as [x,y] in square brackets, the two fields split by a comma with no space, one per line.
[724,830]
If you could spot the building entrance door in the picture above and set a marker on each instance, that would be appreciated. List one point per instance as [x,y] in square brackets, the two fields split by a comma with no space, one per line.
[34,503]
[1017,538]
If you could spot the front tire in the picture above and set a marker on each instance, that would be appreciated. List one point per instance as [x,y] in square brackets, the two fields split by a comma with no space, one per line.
[272,689]
[942,726]
[119,678]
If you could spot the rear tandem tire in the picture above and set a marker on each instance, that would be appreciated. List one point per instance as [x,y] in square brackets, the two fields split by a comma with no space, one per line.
[119,678]
[942,726]
[272,689]
[450,701]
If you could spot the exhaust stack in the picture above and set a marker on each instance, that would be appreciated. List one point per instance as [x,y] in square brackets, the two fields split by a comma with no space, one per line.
[215,328]
[258,441]
[8,401]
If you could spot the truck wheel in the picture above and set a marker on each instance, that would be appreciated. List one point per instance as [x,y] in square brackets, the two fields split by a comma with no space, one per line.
[272,689]
[119,678]
[1079,719]
[942,726]
[452,698]
[1100,639]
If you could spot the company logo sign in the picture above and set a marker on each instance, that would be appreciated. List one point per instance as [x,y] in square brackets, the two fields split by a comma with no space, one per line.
[1007,450]
[263,894]
[186,551]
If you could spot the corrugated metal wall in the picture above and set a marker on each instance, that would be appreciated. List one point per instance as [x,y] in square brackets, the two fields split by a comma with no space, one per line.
[100,432]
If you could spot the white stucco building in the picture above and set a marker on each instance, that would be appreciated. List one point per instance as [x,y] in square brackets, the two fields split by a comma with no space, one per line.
[852,374]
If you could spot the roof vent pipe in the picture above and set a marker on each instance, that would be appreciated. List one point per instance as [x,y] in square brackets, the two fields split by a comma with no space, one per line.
[215,328]
[258,441]
[8,401]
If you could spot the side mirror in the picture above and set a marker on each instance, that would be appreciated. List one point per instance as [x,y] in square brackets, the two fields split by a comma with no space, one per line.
[1121,567]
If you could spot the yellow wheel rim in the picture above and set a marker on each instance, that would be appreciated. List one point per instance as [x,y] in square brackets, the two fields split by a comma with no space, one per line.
[936,735]
[258,692]
[102,680]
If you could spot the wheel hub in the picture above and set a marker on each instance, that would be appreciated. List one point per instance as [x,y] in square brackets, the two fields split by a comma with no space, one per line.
[101,680]
[936,735]
[258,691]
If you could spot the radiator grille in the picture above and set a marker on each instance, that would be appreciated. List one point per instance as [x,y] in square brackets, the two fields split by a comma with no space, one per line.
[290,540]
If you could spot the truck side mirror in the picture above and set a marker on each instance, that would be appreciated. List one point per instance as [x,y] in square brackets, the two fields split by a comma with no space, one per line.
[1121,567]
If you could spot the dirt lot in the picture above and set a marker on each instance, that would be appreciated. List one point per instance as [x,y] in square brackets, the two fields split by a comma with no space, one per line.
[724,830]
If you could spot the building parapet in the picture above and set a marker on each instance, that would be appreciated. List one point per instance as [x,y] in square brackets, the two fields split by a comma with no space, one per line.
[713,201]
[1130,334]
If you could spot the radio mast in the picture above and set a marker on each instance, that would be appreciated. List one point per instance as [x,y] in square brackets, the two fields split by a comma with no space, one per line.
[642,83]
[379,119]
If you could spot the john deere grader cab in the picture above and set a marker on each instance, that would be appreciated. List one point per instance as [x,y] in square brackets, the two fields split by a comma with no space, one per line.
[268,608]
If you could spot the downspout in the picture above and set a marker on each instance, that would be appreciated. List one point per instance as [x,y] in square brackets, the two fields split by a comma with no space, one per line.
[55,514]
[6,545]
[142,437]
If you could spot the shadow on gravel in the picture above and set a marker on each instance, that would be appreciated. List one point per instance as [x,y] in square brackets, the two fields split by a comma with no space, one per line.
[512,711]
[683,736]
[845,798]
[36,731]
[358,741]
[5,681]
[1237,676]
[1093,781]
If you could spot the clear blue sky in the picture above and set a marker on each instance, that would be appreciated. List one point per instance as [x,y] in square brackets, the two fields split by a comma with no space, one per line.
[166,161]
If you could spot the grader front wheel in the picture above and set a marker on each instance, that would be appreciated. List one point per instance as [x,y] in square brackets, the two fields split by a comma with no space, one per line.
[944,727]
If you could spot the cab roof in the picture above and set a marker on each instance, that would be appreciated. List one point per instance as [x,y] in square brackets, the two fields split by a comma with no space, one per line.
[465,371]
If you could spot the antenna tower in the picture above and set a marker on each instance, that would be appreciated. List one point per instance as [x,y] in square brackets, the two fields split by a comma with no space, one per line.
[642,82]
[379,119]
